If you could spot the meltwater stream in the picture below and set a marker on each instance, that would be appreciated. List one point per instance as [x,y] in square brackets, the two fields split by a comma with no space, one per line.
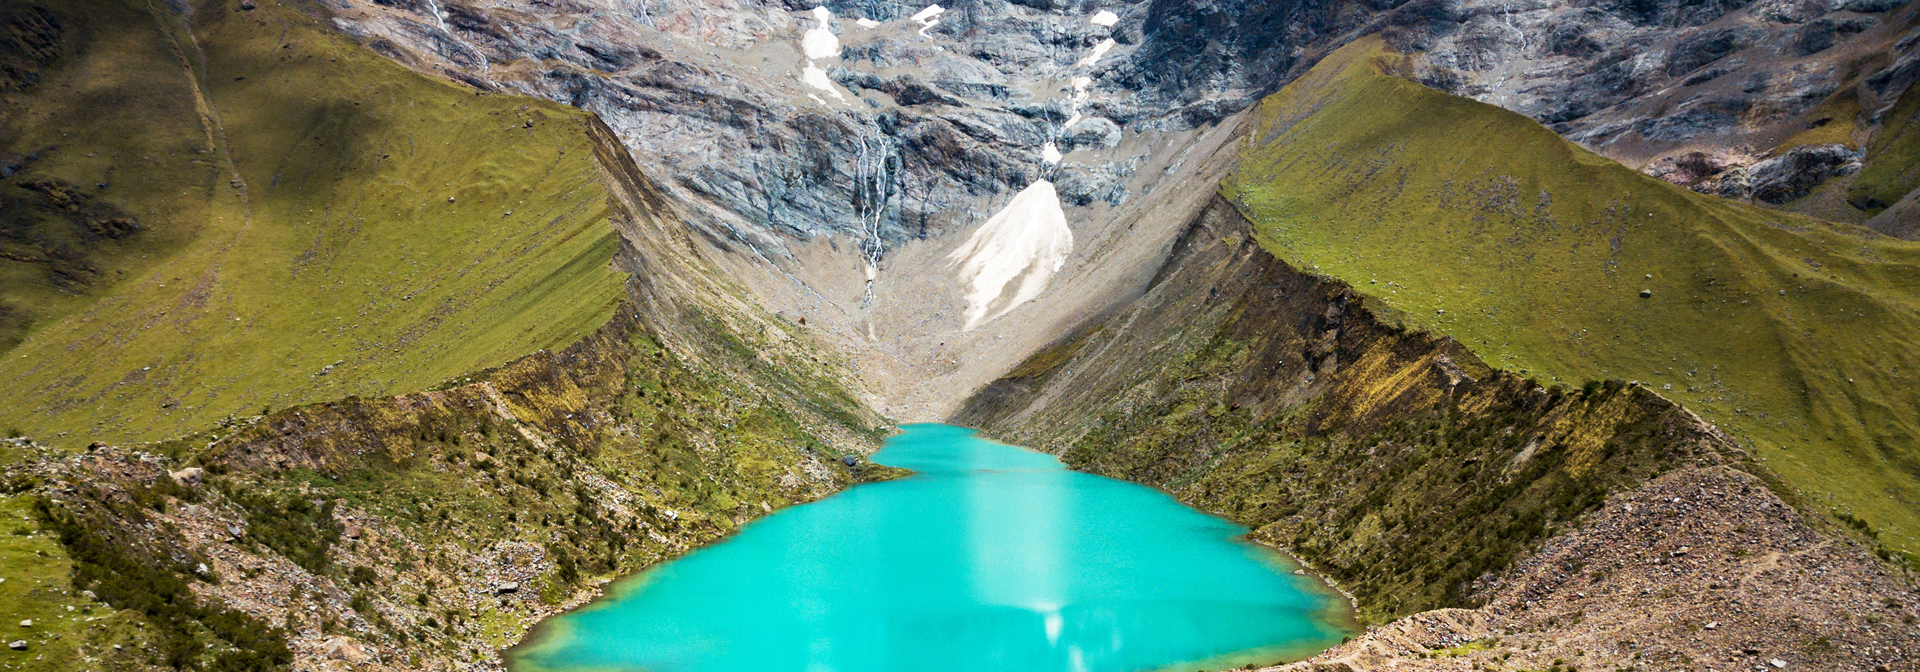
[990,557]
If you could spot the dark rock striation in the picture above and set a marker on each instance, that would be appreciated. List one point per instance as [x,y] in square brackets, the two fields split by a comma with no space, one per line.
[932,126]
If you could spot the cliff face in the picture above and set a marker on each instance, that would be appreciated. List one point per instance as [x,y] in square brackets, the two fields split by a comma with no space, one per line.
[837,186]
[928,121]
[1476,516]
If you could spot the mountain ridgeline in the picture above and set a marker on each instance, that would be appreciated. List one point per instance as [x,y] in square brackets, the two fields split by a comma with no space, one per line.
[388,371]
[1291,367]
[369,333]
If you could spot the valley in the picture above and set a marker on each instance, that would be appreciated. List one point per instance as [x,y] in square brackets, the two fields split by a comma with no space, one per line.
[390,334]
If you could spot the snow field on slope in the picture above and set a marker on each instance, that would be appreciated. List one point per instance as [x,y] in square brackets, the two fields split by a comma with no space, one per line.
[1029,239]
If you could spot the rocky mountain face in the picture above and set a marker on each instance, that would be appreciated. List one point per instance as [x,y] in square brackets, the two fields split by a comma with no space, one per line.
[909,135]
[932,118]
[841,182]
[1758,101]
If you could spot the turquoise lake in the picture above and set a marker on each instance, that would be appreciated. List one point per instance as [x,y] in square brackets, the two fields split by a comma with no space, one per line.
[989,558]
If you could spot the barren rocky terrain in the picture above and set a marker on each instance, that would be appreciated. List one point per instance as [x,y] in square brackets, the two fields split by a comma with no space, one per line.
[1700,569]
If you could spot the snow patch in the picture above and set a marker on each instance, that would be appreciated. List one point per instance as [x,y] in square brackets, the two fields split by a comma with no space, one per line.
[1080,85]
[1029,239]
[1051,152]
[817,78]
[1098,51]
[865,22]
[821,42]
[1104,18]
[928,18]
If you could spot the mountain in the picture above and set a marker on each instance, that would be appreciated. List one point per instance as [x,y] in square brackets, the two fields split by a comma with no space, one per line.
[1789,333]
[1500,512]
[393,368]
[257,267]
[368,333]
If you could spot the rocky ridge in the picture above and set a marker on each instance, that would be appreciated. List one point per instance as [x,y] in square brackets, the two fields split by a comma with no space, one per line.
[944,118]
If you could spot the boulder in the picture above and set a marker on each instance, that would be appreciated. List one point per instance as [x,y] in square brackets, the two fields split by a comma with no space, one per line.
[1092,133]
[1796,172]
[190,476]
[344,649]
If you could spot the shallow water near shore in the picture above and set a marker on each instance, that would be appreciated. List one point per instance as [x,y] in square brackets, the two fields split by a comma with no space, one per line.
[990,557]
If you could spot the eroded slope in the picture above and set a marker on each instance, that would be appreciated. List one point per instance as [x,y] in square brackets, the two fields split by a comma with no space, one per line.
[1486,512]
[1793,335]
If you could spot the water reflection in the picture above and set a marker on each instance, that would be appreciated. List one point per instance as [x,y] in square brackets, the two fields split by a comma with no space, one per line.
[990,558]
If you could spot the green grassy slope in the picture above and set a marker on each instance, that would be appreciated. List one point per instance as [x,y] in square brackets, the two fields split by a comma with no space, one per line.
[1892,168]
[99,130]
[344,227]
[1796,336]
[563,468]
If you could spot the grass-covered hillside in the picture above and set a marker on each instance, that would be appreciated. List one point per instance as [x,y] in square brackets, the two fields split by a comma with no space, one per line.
[99,135]
[427,530]
[1394,462]
[1796,336]
[1892,168]
[356,382]
[300,219]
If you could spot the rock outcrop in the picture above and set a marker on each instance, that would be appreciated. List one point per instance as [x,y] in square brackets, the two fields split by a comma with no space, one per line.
[925,123]
[1783,178]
